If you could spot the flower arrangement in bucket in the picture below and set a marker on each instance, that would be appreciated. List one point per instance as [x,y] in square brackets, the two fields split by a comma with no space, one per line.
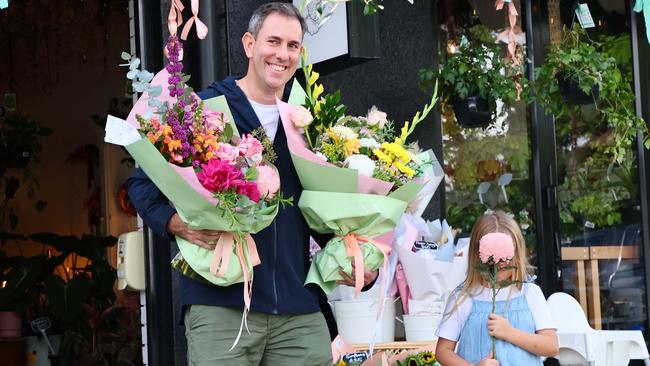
[496,251]
[426,358]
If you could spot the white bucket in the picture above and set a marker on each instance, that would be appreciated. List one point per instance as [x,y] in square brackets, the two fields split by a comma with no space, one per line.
[355,320]
[421,327]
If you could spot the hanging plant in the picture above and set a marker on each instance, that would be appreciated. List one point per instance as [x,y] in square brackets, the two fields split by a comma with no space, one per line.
[576,72]
[472,79]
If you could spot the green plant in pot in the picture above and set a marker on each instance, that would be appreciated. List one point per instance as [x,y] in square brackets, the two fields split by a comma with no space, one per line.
[576,72]
[472,79]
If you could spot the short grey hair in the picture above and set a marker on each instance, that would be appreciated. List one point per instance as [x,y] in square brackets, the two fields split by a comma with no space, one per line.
[260,14]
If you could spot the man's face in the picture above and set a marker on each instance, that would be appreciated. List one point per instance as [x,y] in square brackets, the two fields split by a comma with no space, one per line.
[274,53]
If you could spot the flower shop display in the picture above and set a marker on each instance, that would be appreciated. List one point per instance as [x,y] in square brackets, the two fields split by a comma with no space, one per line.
[576,72]
[356,160]
[215,179]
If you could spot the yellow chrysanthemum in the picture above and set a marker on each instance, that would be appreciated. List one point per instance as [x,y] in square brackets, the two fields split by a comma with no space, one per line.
[409,172]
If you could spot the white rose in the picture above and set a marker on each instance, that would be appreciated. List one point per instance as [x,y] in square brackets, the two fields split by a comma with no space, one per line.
[301,117]
[344,132]
[363,164]
[369,143]
[376,117]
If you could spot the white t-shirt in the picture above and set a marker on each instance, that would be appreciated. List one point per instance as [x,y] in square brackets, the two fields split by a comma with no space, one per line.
[269,116]
[453,320]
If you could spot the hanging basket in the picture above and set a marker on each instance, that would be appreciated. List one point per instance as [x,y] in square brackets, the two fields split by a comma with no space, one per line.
[571,92]
[472,112]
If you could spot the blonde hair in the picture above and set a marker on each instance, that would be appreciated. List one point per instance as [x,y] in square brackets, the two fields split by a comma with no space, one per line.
[495,222]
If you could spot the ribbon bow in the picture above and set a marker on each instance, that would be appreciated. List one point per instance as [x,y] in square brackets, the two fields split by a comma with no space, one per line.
[175,19]
[352,249]
[221,260]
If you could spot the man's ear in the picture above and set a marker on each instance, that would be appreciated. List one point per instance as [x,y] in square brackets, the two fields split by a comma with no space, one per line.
[248,41]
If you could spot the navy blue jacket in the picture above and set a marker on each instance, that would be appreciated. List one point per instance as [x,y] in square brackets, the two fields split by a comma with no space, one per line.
[283,246]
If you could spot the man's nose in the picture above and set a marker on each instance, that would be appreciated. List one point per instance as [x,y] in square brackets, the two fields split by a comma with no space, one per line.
[282,52]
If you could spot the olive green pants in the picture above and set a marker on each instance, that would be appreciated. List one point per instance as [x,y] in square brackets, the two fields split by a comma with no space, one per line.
[274,340]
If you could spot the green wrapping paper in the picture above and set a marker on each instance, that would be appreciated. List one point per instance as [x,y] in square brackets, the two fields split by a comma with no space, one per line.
[344,213]
[198,213]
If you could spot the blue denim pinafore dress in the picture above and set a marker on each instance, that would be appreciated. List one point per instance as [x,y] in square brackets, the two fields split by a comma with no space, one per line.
[475,343]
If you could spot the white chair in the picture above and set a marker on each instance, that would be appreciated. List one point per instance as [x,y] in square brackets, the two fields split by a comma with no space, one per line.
[580,344]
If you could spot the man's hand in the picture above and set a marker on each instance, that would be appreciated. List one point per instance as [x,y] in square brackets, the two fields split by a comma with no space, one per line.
[489,361]
[498,326]
[368,277]
[204,238]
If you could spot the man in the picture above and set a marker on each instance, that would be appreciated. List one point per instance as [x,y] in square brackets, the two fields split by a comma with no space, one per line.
[286,325]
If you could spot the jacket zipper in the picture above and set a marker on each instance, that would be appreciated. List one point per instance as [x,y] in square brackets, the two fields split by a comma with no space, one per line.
[275,265]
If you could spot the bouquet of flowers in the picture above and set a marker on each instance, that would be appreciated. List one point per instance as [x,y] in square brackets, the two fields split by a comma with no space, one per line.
[495,252]
[216,179]
[358,178]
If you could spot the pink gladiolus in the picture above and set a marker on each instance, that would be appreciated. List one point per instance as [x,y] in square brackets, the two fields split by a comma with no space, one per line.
[227,152]
[249,189]
[219,176]
[268,181]
[251,148]
[495,248]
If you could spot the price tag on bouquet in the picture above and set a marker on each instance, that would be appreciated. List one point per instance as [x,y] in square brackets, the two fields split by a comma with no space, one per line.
[423,244]
[355,358]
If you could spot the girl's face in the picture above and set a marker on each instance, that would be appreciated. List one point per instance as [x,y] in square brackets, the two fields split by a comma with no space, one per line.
[505,271]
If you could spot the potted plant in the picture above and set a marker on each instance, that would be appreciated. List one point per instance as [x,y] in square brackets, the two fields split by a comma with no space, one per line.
[472,79]
[576,72]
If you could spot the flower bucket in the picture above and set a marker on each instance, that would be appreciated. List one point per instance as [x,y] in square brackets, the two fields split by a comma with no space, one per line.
[472,112]
[421,327]
[571,92]
[355,320]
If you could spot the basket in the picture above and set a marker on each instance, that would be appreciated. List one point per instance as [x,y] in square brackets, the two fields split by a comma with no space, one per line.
[393,349]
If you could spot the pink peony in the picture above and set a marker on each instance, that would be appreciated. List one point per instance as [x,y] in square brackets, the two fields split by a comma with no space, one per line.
[495,248]
[217,120]
[249,189]
[227,152]
[268,181]
[219,176]
[251,148]
[300,116]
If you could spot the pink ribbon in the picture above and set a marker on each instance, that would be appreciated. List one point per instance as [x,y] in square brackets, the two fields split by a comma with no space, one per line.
[221,260]
[175,19]
[510,32]
[201,28]
[353,250]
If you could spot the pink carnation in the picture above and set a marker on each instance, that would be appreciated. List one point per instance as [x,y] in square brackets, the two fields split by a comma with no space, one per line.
[219,176]
[251,148]
[249,189]
[268,181]
[495,248]
[227,152]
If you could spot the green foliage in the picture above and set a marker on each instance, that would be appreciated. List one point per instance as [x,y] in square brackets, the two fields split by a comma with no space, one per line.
[591,64]
[476,69]
[425,358]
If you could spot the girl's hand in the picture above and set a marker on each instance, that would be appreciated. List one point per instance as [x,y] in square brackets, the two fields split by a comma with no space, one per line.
[498,327]
[488,361]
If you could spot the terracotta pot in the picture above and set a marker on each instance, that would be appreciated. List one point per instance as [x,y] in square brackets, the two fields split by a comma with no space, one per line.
[11,324]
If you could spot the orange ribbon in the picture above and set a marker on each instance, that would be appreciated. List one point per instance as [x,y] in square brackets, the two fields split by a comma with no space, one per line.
[221,260]
[175,19]
[352,249]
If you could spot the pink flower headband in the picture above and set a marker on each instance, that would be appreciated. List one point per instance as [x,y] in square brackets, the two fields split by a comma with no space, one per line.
[495,248]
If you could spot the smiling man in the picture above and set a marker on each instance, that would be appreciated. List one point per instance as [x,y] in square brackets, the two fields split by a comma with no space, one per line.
[286,325]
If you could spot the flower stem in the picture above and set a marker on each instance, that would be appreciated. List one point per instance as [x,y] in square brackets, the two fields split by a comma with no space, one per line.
[494,307]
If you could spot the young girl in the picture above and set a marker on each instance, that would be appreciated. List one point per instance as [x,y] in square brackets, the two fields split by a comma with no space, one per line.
[522,324]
